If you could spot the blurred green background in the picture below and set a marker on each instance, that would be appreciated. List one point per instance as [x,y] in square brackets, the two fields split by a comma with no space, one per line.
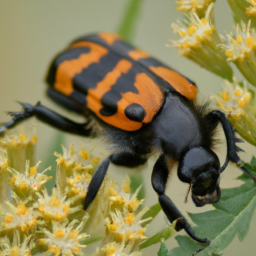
[32,32]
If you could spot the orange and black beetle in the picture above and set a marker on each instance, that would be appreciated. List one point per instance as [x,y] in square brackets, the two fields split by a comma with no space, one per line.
[144,107]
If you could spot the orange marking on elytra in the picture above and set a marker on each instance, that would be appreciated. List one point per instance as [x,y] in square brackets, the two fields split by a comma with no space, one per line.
[137,54]
[95,94]
[177,81]
[109,38]
[149,96]
[69,68]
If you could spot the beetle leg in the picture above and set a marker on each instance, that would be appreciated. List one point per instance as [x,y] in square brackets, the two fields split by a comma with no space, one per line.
[96,182]
[127,159]
[65,101]
[47,116]
[159,179]
[232,149]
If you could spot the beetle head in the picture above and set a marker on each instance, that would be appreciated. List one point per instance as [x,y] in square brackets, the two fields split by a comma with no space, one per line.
[200,167]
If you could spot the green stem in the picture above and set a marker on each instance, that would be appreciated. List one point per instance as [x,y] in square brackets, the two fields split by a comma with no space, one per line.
[128,24]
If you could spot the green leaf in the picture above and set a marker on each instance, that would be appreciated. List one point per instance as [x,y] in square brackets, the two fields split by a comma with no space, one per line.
[152,212]
[92,239]
[232,217]
[158,237]
[126,28]
[163,251]
[136,181]
[50,159]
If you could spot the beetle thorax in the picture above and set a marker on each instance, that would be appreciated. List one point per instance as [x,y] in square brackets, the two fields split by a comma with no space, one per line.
[178,126]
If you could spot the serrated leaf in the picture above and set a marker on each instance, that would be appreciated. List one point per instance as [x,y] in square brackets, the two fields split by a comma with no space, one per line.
[232,217]
[160,236]
[152,212]
[163,251]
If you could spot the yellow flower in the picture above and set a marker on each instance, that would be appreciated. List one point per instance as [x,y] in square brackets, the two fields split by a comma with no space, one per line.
[198,42]
[4,175]
[70,162]
[117,249]
[25,184]
[240,49]
[65,238]
[122,199]
[251,11]
[56,206]
[239,105]
[198,6]
[78,184]
[126,225]
[18,217]
[19,144]
[234,99]
[17,247]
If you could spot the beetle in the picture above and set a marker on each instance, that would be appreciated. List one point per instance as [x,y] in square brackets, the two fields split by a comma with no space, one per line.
[144,107]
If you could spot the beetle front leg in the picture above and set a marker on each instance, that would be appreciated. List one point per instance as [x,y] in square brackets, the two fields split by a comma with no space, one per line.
[159,179]
[47,116]
[232,149]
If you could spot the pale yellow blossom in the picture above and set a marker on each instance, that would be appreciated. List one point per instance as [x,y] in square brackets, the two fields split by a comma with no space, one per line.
[198,42]
[240,107]
[17,247]
[65,238]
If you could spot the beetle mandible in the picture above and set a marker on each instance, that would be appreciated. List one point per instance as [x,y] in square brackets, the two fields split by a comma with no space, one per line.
[144,107]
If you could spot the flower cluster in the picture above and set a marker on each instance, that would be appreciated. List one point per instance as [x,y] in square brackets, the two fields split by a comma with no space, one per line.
[198,6]
[198,42]
[123,220]
[237,101]
[34,220]
[239,105]
[243,10]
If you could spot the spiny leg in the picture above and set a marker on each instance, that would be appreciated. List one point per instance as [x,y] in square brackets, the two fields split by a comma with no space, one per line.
[159,179]
[232,149]
[47,116]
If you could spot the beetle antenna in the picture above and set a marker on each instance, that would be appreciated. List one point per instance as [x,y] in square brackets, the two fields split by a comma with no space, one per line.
[188,190]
